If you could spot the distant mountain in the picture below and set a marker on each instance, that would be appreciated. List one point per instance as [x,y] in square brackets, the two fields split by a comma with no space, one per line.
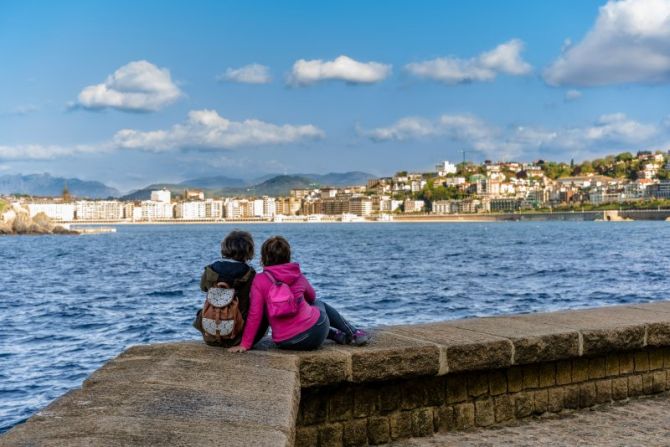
[145,193]
[352,178]
[46,185]
[277,186]
[216,182]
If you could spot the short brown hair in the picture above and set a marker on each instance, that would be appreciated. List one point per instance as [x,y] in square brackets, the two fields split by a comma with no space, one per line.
[238,245]
[275,250]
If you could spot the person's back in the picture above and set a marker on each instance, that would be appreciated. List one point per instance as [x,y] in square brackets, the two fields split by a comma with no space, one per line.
[232,271]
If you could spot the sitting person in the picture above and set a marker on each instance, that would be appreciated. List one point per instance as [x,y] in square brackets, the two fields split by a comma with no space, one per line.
[233,271]
[303,323]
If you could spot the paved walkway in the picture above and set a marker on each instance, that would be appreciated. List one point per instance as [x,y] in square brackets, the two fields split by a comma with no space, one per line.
[643,422]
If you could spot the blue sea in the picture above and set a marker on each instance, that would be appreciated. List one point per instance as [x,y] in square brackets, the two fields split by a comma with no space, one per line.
[70,303]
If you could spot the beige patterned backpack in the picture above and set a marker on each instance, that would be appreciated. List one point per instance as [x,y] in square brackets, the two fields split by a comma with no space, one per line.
[221,316]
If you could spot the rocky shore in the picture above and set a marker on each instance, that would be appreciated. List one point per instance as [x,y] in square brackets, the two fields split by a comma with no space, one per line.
[15,220]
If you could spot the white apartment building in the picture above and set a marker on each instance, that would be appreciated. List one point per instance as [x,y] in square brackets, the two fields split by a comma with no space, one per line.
[257,207]
[414,206]
[99,210]
[445,168]
[162,195]
[389,205]
[360,206]
[445,206]
[55,211]
[269,206]
[152,210]
[192,210]
[213,209]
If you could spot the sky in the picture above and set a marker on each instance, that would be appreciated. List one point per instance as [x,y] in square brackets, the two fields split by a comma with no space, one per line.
[131,93]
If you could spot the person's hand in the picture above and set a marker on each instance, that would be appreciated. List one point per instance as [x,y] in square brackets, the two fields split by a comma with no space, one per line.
[237,349]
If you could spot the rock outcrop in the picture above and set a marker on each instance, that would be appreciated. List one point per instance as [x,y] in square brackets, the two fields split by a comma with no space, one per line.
[17,220]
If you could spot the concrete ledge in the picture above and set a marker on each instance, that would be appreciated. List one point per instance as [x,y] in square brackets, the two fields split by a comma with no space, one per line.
[467,372]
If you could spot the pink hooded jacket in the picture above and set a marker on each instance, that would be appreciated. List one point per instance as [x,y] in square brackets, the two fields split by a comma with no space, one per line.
[286,327]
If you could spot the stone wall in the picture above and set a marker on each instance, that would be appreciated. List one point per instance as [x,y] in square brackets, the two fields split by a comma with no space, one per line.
[379,412]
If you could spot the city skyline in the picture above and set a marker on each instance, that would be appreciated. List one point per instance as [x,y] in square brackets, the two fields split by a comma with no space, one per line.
[125,93]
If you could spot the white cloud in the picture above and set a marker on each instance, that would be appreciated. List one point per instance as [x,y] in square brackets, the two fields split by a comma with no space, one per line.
[572,95]
[503,59]
[609,131]
[138,86]
[206,129]
[342,68]
[629,43]
[249,74]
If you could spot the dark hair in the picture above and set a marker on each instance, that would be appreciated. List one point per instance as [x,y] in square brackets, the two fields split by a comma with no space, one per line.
[275,250]
[238,245]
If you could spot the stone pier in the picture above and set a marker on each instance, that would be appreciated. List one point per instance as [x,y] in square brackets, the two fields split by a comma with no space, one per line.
[411,381]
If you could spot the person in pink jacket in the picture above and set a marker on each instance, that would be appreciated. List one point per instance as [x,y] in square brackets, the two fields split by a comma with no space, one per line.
[312,320]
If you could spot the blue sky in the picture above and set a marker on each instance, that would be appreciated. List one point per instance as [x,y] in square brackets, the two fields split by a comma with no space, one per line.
[135,92]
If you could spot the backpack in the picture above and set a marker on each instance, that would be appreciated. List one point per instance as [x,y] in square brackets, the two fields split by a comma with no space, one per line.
[221,316]
[281,302]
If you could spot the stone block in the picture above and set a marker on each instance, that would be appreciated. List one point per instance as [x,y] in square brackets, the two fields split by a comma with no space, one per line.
[323,367]
[355,433]
[647,383]
[547,374]
[444,418]
[389,397]
[523,404]
[587,394]
[400,425]
[534,342]
[514,379]
[540,401]
[413,394]
[666,357]
[641,361]
[497,382]
[464,350]
[619,388]
[626,363]
[435,388]
[655,359]
[555,396]
[389,356]
[658,334]
[564,372]
[366,401]
[659,380]
[457,389]
[597,368]
[306,436]
[484,413]
[571,397]
[314,406]
[531,376]
[604,391]
[635,385]
[330,435]
[464,416]
[504,407]
[580,370]
[340,404]
[612,365]
[478,384]
[380,428]
[422,422]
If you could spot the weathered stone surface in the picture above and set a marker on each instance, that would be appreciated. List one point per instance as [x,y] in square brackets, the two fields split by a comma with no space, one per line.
[619,388]
[422,422]
[555,402]
[389,356]
[400,425]
[330,435]
[587,394]
[464,416]
[133,397]
[603,391]
[540,401]
[497,382]
[635,385]
[597,368]
[463,349]
[503,407]
[484,413]
[355,433]
[457,389]
[523,403]
[532,342]
[323,367]
[478,384]
[445,418]
[564,372]
[655,359]
[571,397]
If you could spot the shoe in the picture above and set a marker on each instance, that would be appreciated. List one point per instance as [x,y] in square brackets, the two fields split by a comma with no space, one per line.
[360,338]
[338,336]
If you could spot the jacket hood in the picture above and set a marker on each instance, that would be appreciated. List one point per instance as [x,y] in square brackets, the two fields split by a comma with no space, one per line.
[287,273]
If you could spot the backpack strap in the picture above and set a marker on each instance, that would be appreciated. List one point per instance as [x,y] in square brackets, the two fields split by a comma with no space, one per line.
[272,278]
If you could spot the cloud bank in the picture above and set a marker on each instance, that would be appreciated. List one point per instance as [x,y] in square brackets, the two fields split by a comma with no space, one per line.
[139,86]
[206,129]
[629,43]
[342,68]
[503,59]
[249,74]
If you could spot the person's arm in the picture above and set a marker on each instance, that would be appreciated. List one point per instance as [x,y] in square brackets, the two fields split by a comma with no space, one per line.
[254,318]
[310,294]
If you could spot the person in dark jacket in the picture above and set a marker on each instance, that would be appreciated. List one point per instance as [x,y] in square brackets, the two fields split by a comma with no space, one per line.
[237,249]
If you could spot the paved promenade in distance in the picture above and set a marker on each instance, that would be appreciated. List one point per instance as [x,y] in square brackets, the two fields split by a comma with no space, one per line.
[643,422]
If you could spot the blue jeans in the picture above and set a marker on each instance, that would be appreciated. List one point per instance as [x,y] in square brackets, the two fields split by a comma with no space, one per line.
[314,337]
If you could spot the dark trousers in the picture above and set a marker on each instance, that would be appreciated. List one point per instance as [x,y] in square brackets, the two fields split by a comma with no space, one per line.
[314,337]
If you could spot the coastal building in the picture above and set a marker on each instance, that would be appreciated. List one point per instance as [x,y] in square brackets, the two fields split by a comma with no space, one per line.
[445,206]
[414,206]
[55,211]
[191,210]
[360,206]
[156,210]
[445,168]
[162,195]
[194,194]
[213,209]
[99,210]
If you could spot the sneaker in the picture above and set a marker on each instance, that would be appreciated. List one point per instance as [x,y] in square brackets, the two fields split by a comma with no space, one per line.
[360,338]
[338,336]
